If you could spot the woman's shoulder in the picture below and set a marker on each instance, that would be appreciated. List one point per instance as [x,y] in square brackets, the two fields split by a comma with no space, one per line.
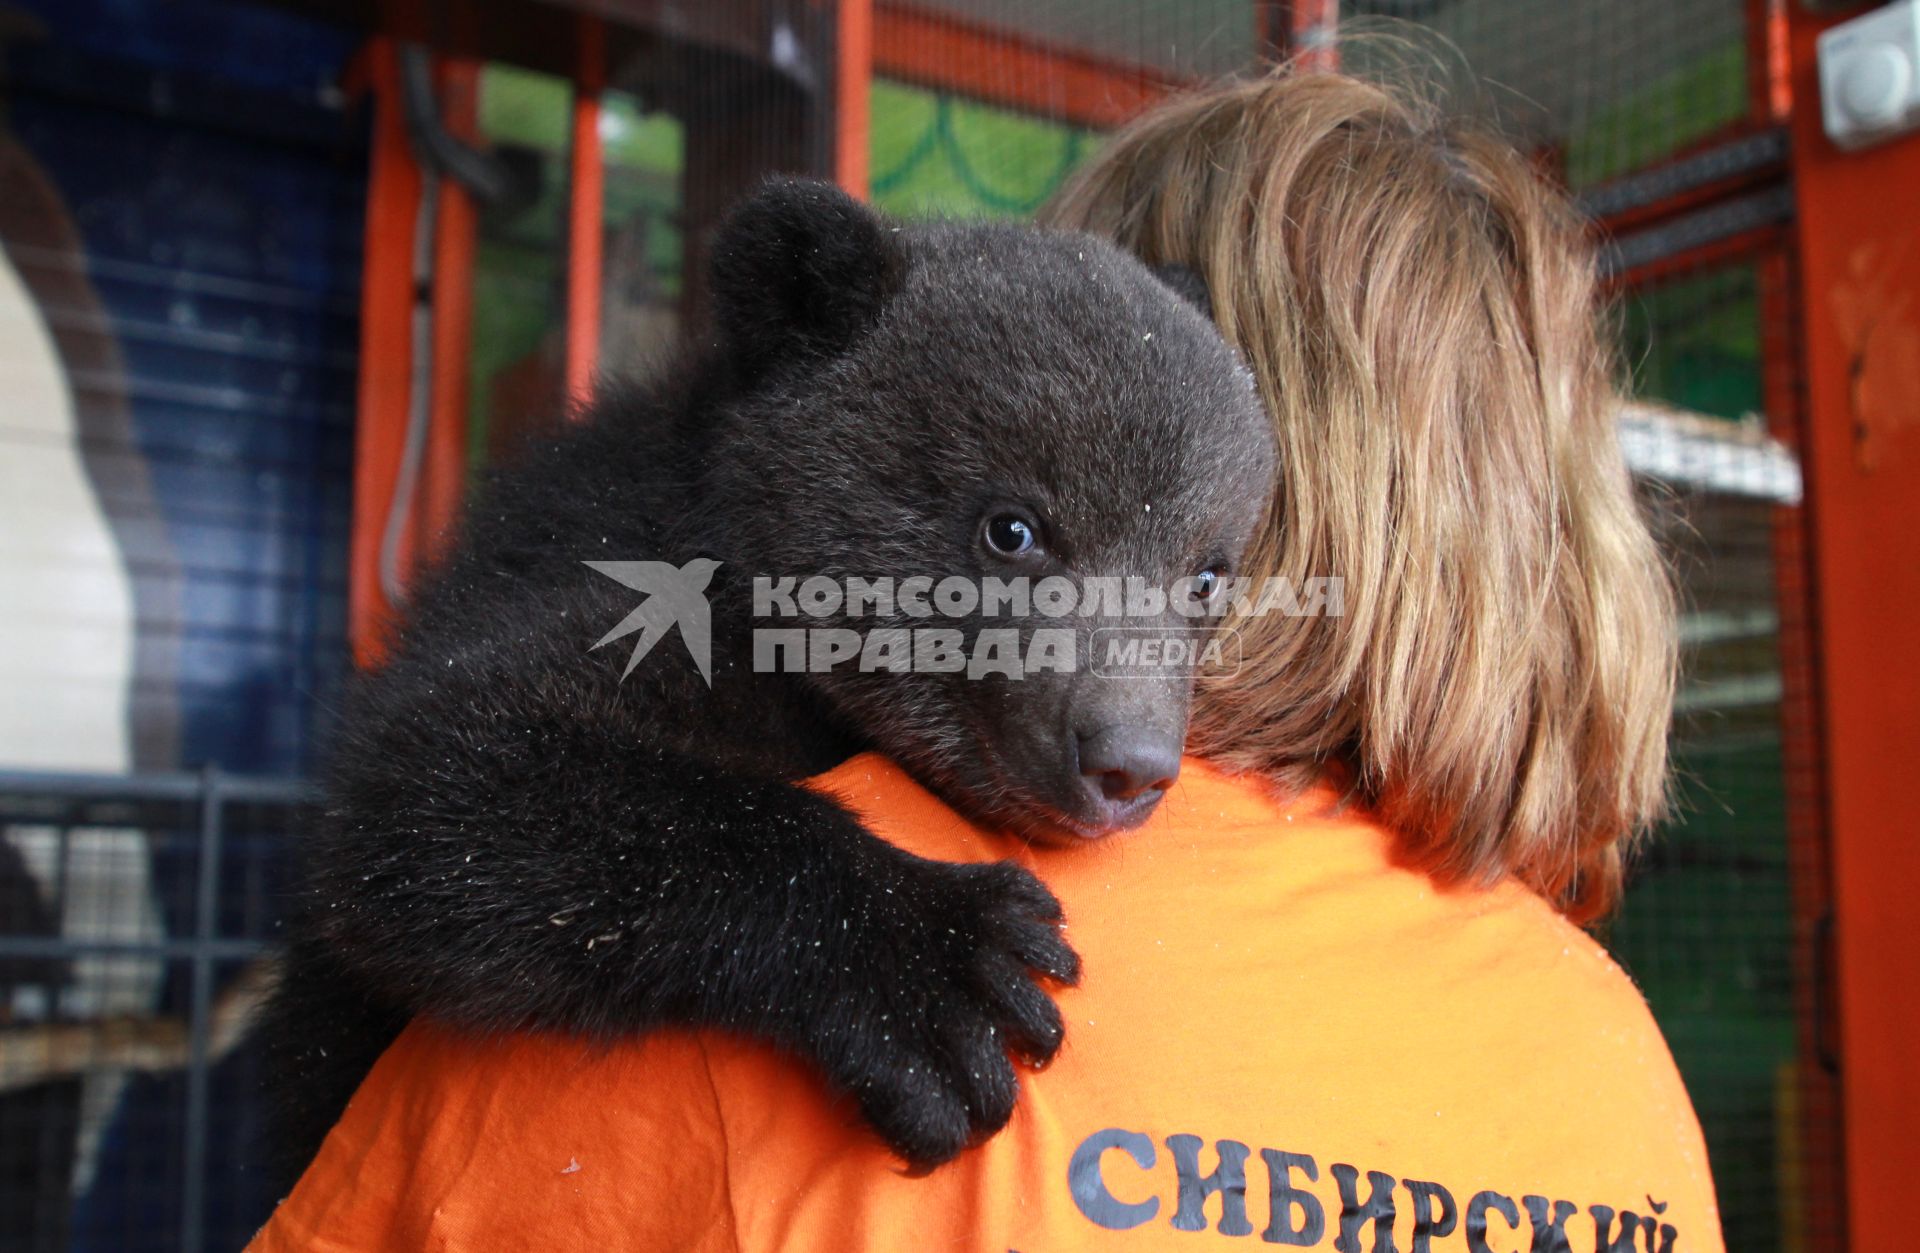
[1293,875]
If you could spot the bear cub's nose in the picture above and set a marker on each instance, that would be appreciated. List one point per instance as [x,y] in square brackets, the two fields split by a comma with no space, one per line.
[1126,768]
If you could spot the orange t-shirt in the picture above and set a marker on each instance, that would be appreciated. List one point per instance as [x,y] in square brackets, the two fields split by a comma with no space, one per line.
[1281,1035]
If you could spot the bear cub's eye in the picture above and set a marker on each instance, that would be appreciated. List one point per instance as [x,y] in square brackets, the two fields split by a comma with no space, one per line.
[1207,584]
[1011,535]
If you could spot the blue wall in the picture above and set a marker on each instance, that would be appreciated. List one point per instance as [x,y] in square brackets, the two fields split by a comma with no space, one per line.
[203,157]
[217,181]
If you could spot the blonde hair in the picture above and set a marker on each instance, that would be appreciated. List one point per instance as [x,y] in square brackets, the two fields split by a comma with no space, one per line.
[1420,310]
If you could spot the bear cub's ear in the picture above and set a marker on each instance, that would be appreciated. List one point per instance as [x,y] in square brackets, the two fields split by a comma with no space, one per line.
[801,269]
[1187,284]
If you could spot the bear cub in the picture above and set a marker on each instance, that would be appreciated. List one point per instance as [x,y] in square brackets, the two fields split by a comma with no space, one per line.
[517,833]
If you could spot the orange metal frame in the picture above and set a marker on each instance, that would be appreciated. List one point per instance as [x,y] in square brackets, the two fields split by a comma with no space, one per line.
[1030,75]
[1769,68]
[1303,29]
[443,478]
[1010,69]
[853,40]
[1813,1174]
[585,212]
[1814,1177]
[386,296]
[386,350]
[1859,296]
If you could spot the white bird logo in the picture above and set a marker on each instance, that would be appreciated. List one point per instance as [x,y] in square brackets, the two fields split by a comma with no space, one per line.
[675,595]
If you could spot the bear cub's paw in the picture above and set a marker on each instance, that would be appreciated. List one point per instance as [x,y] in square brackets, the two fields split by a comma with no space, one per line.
[926,1047]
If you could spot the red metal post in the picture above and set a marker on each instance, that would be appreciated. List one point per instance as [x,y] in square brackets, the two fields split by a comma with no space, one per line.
[852,93]
[1769,71]
[1811,1154]
[1859,289]
[586,208]
[386,302]
[443,477]
[386,346]
[1300,30]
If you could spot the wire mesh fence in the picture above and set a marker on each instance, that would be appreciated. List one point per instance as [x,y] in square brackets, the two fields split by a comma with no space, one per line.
[133,947]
